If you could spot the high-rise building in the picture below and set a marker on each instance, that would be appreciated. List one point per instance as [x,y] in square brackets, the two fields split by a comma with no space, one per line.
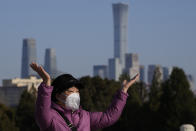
[50,64]
[151,71]
[166,72]
[131,60]
[120,16]
[116,65]
[28,56]
[115,69]
[101,71]
[142,73]
[131,64]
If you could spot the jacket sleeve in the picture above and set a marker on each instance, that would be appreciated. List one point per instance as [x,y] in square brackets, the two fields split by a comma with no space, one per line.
[43,113]
[111,115]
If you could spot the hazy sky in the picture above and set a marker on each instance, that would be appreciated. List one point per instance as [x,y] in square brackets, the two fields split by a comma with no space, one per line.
[81,31]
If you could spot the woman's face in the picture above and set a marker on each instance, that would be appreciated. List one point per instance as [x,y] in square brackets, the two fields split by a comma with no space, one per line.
[67,92]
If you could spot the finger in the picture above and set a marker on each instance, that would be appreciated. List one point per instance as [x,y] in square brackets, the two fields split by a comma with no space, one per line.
[37,69]
[133,81]
[40,71]
[34,66]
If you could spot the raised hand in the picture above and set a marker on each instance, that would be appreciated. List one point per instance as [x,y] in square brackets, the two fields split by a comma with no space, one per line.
[42,73]
[127,84]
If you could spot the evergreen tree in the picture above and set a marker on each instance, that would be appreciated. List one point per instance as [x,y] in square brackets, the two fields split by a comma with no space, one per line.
[177,102]
[155,90]
[25,119]
[98,93]
[7,119]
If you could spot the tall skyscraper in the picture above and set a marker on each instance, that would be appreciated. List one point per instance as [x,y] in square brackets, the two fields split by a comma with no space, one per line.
[28,56]
[116,65]
[101,71]
[50,64]
[120,16]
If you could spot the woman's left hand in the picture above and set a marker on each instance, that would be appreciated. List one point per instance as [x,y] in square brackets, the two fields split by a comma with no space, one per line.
[127,84]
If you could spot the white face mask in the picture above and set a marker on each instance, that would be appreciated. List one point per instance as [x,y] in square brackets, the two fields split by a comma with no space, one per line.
[72,101]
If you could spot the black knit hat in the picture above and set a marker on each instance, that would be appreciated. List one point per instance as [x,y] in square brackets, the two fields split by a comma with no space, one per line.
[62,83]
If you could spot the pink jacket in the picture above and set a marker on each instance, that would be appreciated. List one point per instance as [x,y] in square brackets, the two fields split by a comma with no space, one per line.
[48,119]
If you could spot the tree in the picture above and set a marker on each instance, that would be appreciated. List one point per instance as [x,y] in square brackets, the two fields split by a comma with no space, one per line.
[25,119]
[7,119]
[97,94]
[155,90]
[177,102]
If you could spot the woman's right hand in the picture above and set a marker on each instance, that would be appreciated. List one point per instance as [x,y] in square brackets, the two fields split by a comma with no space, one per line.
[42,73]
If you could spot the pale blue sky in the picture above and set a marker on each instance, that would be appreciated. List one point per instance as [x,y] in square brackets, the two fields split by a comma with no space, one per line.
[81,31]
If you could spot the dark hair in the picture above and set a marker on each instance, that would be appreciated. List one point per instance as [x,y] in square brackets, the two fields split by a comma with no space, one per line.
[62,83]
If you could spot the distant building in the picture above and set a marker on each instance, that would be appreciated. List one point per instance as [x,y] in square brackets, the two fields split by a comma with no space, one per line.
[50,62]
[120,16]
[132,66]
[13,88]
[28,56]
[131,60]
[115,69]
[10,96]
[101,71]
[166,73]
[151,71]
[18,82]
[142,73]
[116,65]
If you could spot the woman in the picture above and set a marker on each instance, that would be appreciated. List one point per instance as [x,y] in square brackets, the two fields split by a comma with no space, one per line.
[57,105]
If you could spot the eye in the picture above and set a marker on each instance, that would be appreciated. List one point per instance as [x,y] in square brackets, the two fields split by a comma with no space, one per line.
[70,91]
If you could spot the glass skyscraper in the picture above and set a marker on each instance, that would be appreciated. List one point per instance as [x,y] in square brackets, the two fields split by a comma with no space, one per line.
[120,16]
[28,56]
[50,64]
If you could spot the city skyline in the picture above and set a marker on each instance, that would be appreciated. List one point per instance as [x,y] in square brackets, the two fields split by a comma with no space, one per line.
[164,37]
